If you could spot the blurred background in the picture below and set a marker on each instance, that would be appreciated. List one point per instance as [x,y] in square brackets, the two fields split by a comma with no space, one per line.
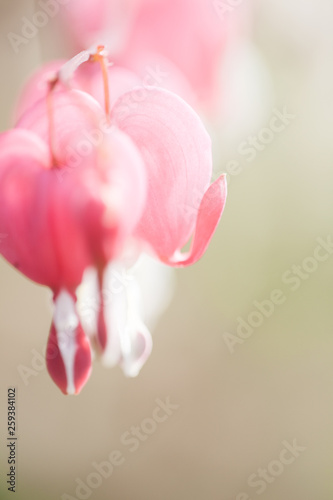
[239,400]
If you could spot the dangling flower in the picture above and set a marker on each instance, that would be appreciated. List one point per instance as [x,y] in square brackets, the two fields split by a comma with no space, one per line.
[79,184]
[59,224]
[188,33]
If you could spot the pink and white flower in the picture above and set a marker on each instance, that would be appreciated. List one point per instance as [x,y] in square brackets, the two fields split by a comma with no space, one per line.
[141,174]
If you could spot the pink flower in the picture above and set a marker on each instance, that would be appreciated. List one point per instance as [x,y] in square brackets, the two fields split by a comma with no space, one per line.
[87,21]
[77,185]
[182,203]
[188,33]
[186,38]
[61,216]
[91,188]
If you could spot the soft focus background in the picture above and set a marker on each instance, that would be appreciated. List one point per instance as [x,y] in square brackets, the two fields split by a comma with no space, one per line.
[235,409]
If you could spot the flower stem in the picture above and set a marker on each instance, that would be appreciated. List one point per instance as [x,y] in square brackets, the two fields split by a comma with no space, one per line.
[102,60]
[49,102]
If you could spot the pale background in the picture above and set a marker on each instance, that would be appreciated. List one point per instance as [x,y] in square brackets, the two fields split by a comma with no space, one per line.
[235,410]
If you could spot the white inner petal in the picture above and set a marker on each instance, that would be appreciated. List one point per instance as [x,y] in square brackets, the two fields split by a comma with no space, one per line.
[134,333]
[157,284]
[66,322]
[88,301]
[133,296]
[114,285]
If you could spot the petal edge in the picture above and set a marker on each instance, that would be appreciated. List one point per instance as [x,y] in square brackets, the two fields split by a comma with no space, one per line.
[209,214]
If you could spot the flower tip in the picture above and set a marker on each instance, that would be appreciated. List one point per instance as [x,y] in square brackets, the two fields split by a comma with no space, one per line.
[134,358]
[68,356]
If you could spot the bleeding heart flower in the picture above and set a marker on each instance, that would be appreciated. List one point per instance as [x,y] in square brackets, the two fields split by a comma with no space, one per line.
[182,203]
[44,238]
[58,225]
[189,33]
[92,211]
[75,180]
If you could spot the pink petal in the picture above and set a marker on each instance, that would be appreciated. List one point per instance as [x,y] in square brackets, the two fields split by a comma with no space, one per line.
[155,70]
[100,159]
[210,212]
[119,196]
[37,87]
[177,153]
[77,119]
[190,33]
[42,233]
[88,213]
[121,80]
[101,179]
[87,19]
[71,75]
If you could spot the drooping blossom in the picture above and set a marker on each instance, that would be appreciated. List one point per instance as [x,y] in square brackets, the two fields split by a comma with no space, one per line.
[188,33]
[178,205]
[138,171]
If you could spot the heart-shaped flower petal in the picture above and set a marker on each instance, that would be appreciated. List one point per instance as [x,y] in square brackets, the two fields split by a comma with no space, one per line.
[101,162]
[43,234]
[179,170]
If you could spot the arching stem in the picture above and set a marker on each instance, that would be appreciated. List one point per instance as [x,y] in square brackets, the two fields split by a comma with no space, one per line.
[50,114]
[102,60]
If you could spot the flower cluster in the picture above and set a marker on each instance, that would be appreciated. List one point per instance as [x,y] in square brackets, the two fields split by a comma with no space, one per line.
[92,180]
